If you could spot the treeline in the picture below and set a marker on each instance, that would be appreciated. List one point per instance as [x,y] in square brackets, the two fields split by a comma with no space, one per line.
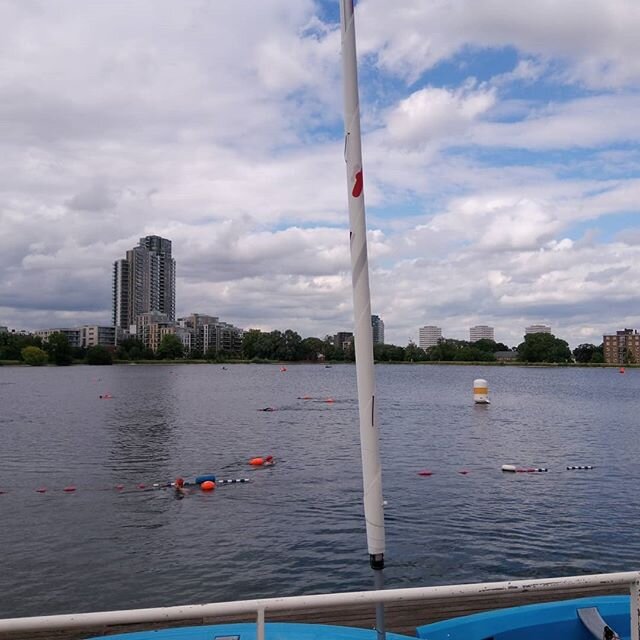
[289,346]
[56,350]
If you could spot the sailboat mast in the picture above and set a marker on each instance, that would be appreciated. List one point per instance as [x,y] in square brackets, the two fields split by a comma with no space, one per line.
[369,435]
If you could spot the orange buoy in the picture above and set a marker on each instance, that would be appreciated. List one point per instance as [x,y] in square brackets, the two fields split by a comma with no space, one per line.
[621,369]
[208,485]
[256,462]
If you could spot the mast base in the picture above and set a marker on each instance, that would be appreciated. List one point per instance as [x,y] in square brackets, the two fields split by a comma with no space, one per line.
[376,560]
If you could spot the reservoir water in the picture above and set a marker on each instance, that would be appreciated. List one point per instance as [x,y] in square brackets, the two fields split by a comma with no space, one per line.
[298,527]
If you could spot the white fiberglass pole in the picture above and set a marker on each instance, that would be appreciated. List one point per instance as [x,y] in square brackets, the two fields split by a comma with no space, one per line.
[369,437]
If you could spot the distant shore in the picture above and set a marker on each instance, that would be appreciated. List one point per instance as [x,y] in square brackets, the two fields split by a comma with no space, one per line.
[586,365]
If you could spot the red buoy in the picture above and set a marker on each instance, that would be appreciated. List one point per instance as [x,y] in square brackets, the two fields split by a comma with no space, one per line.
[208,485]
[41,490]
[69,489]
[119,487]
[425,473]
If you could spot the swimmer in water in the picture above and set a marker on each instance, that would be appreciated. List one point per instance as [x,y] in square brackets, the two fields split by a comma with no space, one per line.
[181,491]
[267,409]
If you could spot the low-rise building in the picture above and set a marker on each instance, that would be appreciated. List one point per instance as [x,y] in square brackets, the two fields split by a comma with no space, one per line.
[209,333]
[622,347]
[73,335]
[343,340]
[94,335]
[151,327]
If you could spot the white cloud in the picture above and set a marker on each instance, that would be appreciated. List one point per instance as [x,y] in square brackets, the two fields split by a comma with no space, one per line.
[596,40]
[218,125]
[431,114]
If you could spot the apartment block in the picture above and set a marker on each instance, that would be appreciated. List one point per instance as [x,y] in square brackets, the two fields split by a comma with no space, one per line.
[73,335]
[377,327]
[94,335]
[481,332]
[144,281]
[429,336]
[537,328]
[622,347]
[209,333]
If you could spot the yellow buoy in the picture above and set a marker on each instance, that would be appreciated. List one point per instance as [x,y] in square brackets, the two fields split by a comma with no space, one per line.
[481,391]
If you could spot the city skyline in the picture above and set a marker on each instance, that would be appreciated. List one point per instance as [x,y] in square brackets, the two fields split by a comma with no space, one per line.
[500,162]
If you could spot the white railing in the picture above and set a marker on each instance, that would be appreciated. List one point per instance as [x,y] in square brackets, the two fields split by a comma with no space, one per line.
[259,608]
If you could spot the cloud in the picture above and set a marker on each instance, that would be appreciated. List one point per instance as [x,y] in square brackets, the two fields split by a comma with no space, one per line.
[432,114]
[594,42]
[490,199]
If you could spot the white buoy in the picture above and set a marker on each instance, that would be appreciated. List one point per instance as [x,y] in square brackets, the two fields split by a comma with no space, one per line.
[511,468]
[481,391]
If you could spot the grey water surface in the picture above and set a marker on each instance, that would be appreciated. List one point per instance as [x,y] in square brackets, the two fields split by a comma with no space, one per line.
[298,527]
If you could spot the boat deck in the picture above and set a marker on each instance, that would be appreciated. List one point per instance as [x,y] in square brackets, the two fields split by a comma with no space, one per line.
[401,617]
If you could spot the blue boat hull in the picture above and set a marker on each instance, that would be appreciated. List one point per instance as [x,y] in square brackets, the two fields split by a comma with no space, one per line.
[247,631]
[548,621]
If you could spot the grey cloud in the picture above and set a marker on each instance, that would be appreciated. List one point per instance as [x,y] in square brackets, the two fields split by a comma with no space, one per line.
[96,198]
[605,275]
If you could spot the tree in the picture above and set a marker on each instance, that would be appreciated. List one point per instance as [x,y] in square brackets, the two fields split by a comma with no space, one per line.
[59,349]
[170,348]
[99,355]
[588,353]
[413,353]
[310,348]
[34,356]
[543,347]
[11,344]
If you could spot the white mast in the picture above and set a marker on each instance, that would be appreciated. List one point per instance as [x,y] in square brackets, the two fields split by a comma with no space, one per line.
[369,436]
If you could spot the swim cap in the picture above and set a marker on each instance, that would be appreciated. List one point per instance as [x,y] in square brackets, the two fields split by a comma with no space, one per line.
[179,482]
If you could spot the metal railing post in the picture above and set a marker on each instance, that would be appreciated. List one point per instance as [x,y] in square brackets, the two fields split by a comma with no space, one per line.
[260,624]
[634,608]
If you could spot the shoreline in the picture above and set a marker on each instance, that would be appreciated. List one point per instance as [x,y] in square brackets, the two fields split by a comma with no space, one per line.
[576,365]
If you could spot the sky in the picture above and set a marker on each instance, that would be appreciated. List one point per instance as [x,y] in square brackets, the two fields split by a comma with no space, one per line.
[500,150]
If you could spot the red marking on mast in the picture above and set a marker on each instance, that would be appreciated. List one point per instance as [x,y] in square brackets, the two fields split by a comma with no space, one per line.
[358,185]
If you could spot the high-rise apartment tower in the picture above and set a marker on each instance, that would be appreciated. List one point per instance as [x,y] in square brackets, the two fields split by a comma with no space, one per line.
[480,332]
[429,336]
[144,281]
[377,327]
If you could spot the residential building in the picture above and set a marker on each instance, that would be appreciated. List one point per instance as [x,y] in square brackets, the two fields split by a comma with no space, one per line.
[4,329]
[429,336]
[151,327]
[94,335]
[144,281]
[343,340]
[377,327]
[481,332]
[537,328]
[622,347]
[209,333]
[73,335]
